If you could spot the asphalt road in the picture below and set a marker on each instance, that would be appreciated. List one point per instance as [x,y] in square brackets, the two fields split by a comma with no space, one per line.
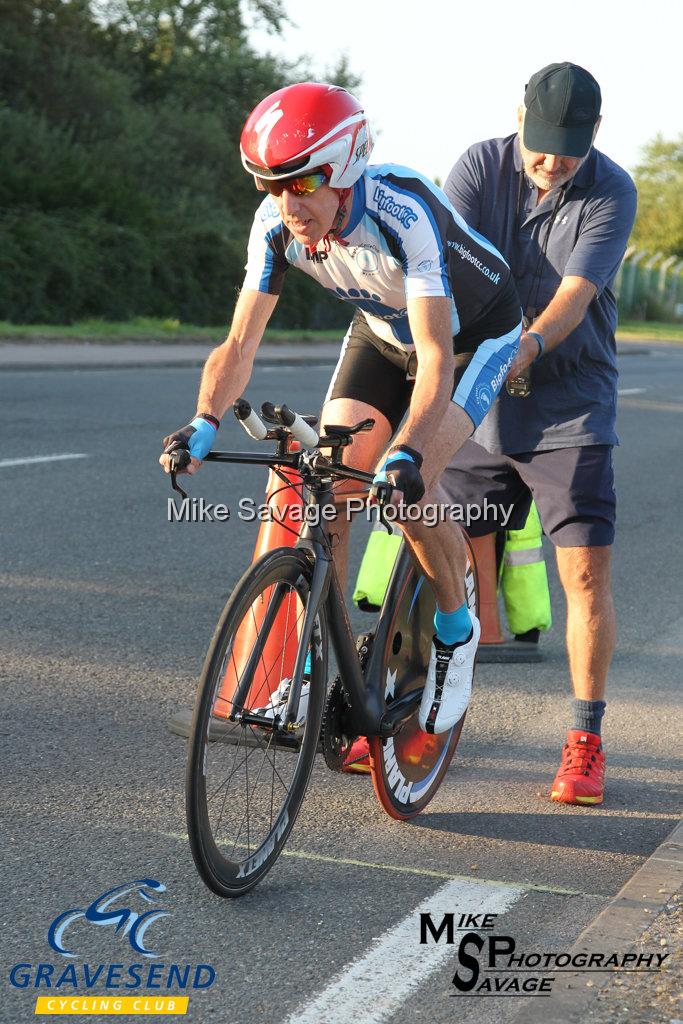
[105,613]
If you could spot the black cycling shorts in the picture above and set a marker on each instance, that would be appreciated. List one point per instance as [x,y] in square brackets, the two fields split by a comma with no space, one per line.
[381,375]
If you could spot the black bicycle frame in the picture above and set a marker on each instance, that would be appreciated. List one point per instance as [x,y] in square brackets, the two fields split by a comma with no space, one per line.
[368,714]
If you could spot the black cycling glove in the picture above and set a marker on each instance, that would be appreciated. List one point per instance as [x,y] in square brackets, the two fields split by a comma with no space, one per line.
[196,438]
[402,470]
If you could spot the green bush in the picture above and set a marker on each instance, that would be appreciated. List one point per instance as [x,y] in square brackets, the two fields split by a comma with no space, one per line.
[121,188]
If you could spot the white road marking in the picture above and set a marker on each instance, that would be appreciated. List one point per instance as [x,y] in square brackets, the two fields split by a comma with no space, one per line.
[631,391]
[373,988]
[496,883]
[4,463]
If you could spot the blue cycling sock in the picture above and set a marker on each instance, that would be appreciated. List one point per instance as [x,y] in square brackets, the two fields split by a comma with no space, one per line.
[307,665]
[588,715]
[453,627]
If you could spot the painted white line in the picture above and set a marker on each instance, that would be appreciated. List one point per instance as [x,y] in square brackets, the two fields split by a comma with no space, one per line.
[496,883]
[373,988]
[40,458]
[631,391]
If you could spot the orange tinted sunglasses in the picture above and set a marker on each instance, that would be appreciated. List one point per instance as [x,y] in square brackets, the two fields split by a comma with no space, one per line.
[303,185]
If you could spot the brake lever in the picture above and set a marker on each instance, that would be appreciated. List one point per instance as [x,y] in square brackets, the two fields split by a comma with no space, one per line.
[382,492]
[178,461]
[176,486]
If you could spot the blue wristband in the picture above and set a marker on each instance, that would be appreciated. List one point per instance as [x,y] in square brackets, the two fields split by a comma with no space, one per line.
[399,457]
[200,442]
[539,339]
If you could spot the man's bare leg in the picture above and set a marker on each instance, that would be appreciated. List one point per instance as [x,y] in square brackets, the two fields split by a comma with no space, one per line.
[440,549]
[591,622]
[586,577]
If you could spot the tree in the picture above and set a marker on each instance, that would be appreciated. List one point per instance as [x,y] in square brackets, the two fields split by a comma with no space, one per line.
[121,187]
[659,179]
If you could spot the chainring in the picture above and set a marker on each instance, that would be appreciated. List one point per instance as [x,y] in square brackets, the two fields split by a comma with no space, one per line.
[336,741]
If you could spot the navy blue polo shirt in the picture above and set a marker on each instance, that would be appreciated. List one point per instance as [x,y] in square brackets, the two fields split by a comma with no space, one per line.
[573,388]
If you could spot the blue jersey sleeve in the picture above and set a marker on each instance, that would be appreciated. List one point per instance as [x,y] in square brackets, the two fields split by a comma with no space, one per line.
[266,259]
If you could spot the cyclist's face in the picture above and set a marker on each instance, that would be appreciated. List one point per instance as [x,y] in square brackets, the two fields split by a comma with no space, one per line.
[309,217]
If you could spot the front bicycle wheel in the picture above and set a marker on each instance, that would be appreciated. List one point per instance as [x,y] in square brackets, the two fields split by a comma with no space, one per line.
[408,768]
[245,782]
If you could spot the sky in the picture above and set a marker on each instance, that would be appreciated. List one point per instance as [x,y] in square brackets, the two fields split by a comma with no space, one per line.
[438,76]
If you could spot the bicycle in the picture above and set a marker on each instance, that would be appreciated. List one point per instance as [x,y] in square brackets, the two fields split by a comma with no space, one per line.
[248,768]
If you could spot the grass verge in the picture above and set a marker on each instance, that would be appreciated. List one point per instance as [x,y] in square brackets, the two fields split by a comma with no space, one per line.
[156,331]
[649,330]
[147,329]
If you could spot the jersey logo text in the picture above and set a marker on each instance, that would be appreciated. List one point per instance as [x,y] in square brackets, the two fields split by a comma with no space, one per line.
[387,204]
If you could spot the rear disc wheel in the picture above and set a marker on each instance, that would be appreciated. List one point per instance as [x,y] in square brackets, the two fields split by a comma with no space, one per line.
[408,768]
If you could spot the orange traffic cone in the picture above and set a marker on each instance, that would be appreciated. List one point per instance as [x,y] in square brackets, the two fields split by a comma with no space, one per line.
[487,575]
[281,529]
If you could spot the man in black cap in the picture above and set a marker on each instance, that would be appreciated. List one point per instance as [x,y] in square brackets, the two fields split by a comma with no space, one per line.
[561,213]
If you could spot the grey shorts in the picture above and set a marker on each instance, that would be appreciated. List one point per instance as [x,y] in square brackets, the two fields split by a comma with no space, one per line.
[573,489]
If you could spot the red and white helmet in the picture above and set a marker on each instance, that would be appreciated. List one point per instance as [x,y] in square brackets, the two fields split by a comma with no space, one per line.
[305,126]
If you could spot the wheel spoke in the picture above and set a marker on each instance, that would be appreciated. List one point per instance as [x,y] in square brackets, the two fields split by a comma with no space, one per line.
[240,794]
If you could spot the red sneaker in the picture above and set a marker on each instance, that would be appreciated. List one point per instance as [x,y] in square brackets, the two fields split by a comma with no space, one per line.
[358,760]
[581,776]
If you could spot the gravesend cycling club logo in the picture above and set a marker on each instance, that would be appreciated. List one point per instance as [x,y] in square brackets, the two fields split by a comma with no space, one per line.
[126,921]
[491,964]
[126,915]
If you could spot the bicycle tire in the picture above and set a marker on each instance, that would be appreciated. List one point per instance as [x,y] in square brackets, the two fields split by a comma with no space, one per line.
[228,866]
[407,769]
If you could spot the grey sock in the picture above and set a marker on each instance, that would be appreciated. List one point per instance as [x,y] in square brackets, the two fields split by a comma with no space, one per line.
[588,715]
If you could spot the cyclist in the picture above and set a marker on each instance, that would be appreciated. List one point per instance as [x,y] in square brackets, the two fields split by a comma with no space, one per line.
[429,294]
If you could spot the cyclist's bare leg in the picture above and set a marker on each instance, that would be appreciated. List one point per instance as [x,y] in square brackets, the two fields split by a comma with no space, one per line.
[440,549]
[364,453]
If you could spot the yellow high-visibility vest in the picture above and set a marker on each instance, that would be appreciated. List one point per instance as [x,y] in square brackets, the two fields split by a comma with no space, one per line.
[523,576]
[524,579]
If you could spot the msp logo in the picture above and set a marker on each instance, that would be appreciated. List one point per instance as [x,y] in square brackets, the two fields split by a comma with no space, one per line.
[484,397]
[125,921]
[490,964]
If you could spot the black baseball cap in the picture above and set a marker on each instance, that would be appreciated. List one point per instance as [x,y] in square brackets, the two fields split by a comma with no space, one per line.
[562,106]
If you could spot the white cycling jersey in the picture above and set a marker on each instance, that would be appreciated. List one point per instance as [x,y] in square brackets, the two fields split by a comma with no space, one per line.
[403,240]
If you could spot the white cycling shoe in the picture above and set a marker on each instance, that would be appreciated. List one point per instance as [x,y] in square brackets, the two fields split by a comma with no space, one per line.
[277,705]
[448,688]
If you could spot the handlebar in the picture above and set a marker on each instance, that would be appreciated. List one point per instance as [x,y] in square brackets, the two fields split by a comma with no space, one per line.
[299,427]
[302,428]
[251,422]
